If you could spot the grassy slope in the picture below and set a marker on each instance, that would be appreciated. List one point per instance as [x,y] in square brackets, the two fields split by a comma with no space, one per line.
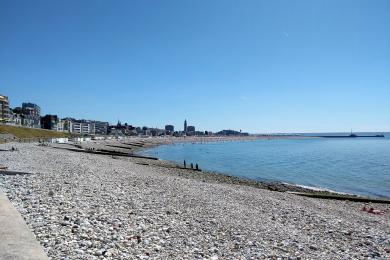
[22,132]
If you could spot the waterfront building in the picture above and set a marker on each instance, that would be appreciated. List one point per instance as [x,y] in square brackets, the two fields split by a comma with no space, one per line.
[146,131]
[31,115]
[5,113]
[31,109]
[190,128]
[81,127]
[170,128]
[65,125]
[85,127]
[31,121]
[16,119]
[231,132]
[156,132]
[185,126]
[117,132]
[125,129]
[99,128]
[50,122]
[60,125]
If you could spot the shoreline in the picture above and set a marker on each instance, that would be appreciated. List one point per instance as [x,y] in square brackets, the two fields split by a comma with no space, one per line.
[138,144]
[280,186]
[201,174]
[223,177]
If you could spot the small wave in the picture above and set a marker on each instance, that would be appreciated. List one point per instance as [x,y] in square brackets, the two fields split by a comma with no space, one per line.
[318,189]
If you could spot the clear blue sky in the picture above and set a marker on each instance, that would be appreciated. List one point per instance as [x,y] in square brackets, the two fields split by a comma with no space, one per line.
[259,66]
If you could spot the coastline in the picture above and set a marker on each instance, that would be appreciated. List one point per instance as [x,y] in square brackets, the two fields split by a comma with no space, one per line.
[280,186]
[91,206]
[231,179]
[138,144]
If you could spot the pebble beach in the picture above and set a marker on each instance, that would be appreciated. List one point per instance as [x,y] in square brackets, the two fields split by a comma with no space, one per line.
[91,206]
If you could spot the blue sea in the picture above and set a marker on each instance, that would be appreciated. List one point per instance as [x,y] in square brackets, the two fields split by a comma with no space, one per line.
[351,165]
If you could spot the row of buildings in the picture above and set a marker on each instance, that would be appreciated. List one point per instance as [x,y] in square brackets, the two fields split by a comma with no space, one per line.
[29,115]
[188,130]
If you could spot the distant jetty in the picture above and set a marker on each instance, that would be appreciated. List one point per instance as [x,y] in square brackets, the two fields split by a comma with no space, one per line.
[350,136]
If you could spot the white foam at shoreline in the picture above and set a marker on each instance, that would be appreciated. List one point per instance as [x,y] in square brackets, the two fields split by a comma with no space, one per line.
[320,189]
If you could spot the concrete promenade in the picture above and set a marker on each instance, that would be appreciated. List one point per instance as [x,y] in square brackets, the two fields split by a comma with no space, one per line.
[16,239]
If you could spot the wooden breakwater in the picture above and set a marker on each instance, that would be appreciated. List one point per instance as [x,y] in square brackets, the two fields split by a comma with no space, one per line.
[106,152]
[135,144]
[12,173]
[341,197]
[118,146]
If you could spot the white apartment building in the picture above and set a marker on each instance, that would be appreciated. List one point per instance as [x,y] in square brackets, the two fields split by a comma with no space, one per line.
[82,127]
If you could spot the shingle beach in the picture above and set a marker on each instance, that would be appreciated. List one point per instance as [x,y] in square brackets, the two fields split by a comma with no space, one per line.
[91,206]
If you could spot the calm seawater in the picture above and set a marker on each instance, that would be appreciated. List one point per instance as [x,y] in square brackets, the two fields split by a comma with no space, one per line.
[355,165]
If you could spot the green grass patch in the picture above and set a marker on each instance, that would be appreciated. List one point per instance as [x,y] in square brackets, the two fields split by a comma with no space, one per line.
[23,132]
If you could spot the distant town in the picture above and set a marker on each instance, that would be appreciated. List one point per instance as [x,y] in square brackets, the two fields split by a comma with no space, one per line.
[29,115]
